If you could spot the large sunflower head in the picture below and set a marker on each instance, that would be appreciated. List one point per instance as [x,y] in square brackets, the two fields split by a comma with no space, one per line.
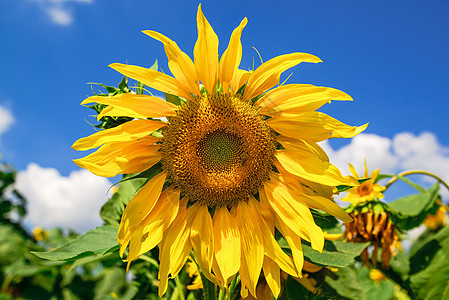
[239,159]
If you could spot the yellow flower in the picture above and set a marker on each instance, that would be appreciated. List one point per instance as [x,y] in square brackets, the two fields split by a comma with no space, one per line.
[192,270]
[376,275]
[438,220]
[238,156]
[39,234]
[368,190]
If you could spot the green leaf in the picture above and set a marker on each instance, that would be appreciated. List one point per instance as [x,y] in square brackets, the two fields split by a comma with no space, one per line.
[111,280]
[335,253]
[429,273]
[12,244]
[100,240]
[91,259]
[412,210]
[382,290]
[326,221]
[295,290]
[123,85]
[346,283]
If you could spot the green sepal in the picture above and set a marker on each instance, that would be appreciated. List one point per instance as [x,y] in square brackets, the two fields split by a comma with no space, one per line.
[173,99]
[343,188]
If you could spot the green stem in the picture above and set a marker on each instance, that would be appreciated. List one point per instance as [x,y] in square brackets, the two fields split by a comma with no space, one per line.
[180,288]
[7,281]
[232,287]
[208,288]
[222,295]
[421,172]
[150,260]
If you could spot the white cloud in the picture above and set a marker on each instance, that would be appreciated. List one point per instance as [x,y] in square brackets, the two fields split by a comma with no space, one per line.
[59,16]
[422,152]
[58,201]
[59,11]
[376,150]
[404,151]
[6,119]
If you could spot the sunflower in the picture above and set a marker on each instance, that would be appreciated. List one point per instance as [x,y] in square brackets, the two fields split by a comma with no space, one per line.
[368,190]
[239,157]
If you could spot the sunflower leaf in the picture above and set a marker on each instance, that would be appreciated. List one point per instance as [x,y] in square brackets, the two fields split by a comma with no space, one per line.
[429,273]
[100,241]
[410,211]
[335,254]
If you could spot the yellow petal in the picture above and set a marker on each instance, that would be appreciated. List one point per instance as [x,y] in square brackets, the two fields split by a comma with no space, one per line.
[179,63]
[206,53]
[305,164]
[298,98]
[152,78]
[332,236]
[271,247]
[299,144]
[140,206]
[202,239]
[149,233]
[226,244]
[268,74]
[353,171]
[230,60]
[294,241]
[174,249]
[272,276]
[293,212]
[122,158]
[134,106]
[252,247]
[125,132]
[315,201]
[240,78]
[315,126]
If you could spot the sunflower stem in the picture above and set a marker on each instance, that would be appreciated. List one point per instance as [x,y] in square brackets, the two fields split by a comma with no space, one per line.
[421,172]
[150,260]
[180,288]
[232,287]
[222,295]
[208,288]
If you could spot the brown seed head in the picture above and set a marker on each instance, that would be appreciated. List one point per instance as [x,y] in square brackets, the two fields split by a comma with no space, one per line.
[217,149]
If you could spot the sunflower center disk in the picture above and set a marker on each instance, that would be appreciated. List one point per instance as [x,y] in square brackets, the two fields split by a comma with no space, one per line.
[218,150]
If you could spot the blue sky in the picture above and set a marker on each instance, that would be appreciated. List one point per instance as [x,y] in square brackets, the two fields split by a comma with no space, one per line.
[390,56]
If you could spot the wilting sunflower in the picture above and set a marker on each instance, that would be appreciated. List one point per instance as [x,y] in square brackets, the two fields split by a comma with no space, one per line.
[372,221]
[239,158]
